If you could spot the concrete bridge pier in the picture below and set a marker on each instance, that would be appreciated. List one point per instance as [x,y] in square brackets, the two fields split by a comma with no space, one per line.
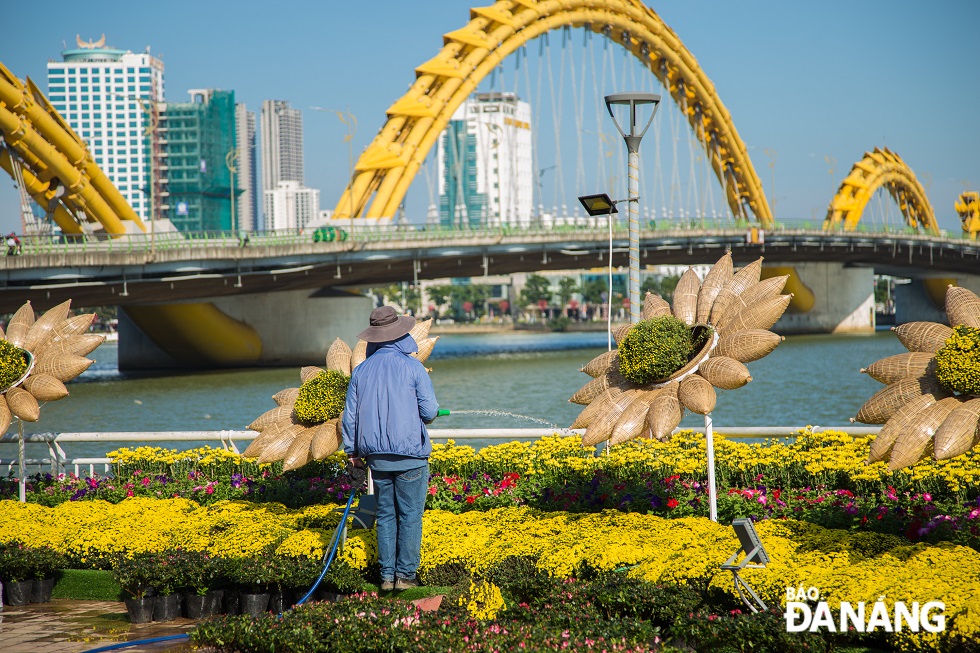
[828,298]
[288,328]
[924,300]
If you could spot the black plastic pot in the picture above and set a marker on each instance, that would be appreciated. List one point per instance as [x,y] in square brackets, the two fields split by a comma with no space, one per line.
[277,602]
[166,608]
[254,604]
[140,610]
[42,590]
[18,592]
[198,607]
[232,601]
[216,601]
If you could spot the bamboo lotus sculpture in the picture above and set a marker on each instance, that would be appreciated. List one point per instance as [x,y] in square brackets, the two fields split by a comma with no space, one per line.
[38,356]
[305,424]
[645,384]
[931,403]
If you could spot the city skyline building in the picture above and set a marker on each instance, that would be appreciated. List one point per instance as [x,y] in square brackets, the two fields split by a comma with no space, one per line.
[485,163]
[281,137]
[196,140]
[110,97]
[291,206]
[248,200]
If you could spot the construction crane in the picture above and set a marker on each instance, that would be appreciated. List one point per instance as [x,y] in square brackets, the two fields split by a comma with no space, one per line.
[968,207]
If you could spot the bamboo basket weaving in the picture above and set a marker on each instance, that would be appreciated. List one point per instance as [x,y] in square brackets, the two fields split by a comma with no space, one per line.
[886,402]
[882,445]
[309,372]
[632,421]
[717,278]
[78,345]
[619,333]
[63,368]
[741,281]
[44,328]
[916,440]
[45,387]
[326,439]
[271,416]
[20,324]
[654,306]
[923,336]
[725,373]
[359,354]
[298,453]
[276,449]
[425,348]
[596,408]
[960,432]
[286,396]
[686,297]
[339,357]
[5,415]
[697,394]
[900,366]
[762,315]
[747,346]
[420,331]
[665,413]
[23,404]
[601,427]
[760,292]
[962,307]
[601,364]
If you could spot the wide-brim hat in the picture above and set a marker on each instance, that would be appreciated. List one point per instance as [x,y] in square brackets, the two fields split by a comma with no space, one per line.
[386,325]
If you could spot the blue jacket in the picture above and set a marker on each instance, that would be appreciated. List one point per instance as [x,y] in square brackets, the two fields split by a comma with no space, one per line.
[389,400]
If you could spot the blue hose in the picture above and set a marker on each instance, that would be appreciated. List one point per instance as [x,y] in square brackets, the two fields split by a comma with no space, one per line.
[174,638]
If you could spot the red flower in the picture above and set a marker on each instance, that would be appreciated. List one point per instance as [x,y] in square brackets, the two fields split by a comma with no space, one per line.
[433,490]
[470,499]
[671,503]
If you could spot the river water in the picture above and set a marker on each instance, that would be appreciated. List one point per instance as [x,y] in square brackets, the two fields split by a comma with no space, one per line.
[806,380]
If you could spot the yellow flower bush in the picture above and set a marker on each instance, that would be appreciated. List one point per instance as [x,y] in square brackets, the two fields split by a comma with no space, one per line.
[482,600]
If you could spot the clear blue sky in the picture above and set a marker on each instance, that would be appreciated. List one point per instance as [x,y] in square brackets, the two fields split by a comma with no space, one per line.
[807,80]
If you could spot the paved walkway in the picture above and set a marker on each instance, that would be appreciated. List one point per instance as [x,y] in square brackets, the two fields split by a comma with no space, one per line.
[64,626]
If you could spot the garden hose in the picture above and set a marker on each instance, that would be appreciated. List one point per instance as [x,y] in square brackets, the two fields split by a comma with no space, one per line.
[329,558]
[442,412]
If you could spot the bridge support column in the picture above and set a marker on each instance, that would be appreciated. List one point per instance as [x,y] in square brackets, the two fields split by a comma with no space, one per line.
[843,300]
[286,328]
[916,301]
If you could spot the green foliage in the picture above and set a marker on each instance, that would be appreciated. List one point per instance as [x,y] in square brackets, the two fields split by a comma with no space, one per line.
[958,362]
[87,585]
[13,363]
[559,323]
[535,290]
[135,573]
[567,286]
[592,291]
[663,286]
[655,349]
[322,397]
[453,572]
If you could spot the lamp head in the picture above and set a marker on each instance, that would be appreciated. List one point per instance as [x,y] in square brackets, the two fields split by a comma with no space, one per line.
[632,100]
[599,204]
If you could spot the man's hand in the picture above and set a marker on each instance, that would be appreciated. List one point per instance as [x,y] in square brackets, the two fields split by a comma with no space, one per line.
[357,472]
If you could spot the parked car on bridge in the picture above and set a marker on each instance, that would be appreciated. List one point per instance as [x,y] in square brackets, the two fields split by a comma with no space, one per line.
[329,234]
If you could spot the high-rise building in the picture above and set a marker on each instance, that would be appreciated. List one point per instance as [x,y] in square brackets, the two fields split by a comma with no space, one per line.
[197,140]
[109,97]
[291,206]
[485,163]
[281,135]
[248,201]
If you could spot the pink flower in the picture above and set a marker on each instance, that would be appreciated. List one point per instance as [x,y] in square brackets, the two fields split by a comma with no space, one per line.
[433,490]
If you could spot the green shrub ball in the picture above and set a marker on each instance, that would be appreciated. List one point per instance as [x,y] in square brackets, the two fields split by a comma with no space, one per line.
[958,362]
[322,397]
[12,363]
[655,349]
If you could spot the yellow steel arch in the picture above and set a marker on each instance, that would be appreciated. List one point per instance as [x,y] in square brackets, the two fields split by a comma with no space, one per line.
[51,154]
[881,168]
[387,167]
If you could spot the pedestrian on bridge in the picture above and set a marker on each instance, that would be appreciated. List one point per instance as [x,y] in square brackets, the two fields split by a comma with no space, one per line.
[390,399]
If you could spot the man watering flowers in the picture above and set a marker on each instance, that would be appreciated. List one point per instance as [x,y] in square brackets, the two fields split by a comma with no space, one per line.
[390,399]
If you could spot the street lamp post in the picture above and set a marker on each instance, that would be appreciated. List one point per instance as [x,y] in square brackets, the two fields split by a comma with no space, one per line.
[230,160]
[632,139]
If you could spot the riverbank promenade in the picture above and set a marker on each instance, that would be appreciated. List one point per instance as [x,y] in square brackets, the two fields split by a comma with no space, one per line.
[65,626]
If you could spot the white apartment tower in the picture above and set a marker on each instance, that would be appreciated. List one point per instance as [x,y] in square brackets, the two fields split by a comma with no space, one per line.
[246,175]
[291,206]
[282,144]
[486,164]
[108,97]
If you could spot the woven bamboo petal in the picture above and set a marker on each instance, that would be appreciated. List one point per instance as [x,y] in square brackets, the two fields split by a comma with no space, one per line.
[654,306]
[725,373]
[338,357]
[45,387]
[299,452]
[44,328]
[326,439]
[665,413]
[887,401]
[761,315]
[77,325]
[258,444]
[717,278]
[63,368]
[697,394]
[958,433]
[620,332]
[594,409]
[915,442]
[359,354]
[741,281]
[597,386]
[425,348]
[760,292]
[686,297]
[633,420]
[277,447]
[79,345]
[309,372]
[747,346]
[3,336]
[5,415]
[277,414]
[601,364]
[420,331]
[286,396]
[962,307]
[901,366]
[601,427]
[923,336]
[20,324]
[23,404]
[883,443]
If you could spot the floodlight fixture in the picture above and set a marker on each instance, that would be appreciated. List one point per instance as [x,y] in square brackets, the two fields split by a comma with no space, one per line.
[755,558]
[599,204]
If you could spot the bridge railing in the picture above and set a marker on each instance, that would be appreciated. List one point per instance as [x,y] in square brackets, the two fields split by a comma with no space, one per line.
[42,244]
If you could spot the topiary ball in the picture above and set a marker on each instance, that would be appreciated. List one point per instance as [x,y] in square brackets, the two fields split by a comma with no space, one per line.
[958,362]
[654,349]
[322,397]
[13,364]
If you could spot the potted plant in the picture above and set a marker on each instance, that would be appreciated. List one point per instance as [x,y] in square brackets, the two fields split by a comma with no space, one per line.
[254,576]
[198,574]
[134,575]
[166,574]
[16,573]
[45,561]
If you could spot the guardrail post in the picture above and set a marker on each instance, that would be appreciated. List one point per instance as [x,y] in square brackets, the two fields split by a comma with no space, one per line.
[22,473]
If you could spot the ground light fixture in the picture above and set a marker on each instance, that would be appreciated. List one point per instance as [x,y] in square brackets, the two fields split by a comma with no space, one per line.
[755,558]
[601,204]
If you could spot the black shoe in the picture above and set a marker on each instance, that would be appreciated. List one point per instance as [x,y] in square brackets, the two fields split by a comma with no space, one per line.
[406,583]
[387,585]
